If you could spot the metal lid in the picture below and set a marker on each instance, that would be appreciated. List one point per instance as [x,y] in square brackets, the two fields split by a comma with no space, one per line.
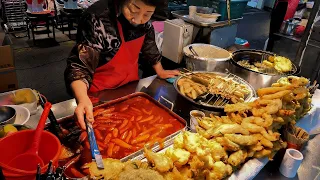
[207,52]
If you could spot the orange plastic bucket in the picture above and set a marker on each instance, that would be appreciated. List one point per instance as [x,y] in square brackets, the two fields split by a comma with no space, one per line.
[18,143]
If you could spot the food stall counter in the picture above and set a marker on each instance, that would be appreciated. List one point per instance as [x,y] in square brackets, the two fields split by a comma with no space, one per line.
[160,88]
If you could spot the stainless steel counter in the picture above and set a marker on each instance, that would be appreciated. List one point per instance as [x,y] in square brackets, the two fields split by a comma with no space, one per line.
[310,167]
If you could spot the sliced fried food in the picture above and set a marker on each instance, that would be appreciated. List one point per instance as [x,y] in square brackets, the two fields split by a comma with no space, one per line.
[237,158]
[276,95]
[271,90]
[256,147]
[112,169]
[219,171]
[196,165]
[161,162]
[243,140]
[207,123]
[142,174]
[191,141]
[265,142]
[179,156]
[227,129]
[217,151]
[173,175]
[178,141]
[247,123]
[270,135]
[262,153]
[239,107]
[227,144]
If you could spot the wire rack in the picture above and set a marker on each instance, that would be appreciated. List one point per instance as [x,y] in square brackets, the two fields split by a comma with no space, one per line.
[15,12]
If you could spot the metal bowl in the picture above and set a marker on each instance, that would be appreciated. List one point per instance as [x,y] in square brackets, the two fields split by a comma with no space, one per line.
[7,115]
[248,98]
[255,78]
[217,62]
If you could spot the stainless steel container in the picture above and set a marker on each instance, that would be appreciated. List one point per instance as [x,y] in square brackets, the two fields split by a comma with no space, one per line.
[255,79]
[210,58]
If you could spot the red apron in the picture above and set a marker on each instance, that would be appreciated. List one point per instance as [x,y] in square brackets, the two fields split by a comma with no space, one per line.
[122,68]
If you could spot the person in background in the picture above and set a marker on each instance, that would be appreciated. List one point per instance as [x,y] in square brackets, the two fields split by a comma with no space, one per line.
[277,16]
[111,35]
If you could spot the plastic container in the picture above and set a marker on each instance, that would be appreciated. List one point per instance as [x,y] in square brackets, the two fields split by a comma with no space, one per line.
[214,4]
[237,8]
[7,99]
[18,143]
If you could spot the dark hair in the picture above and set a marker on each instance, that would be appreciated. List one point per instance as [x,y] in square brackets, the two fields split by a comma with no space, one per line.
[156,3]
[159,4]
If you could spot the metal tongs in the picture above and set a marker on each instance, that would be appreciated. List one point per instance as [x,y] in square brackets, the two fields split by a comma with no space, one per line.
[96,156]
[193,51]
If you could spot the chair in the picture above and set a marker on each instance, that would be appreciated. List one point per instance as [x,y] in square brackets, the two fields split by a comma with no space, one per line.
[45,18]
[72,16]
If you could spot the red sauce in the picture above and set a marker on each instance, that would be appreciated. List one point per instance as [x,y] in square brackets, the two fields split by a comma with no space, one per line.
[126,127]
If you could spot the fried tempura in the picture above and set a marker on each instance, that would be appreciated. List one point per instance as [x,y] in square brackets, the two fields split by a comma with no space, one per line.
[262,153]
[227,129]
[219,171]
[236,158]
[243,140]
[239,107]
[160,161]
[227,144]
[179,156]
[265,142]
[112,169]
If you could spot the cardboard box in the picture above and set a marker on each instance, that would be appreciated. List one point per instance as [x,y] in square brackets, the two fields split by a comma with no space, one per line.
[8,80]
[6,58]
[8,76]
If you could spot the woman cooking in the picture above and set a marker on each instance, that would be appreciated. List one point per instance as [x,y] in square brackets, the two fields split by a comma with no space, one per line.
[112,35]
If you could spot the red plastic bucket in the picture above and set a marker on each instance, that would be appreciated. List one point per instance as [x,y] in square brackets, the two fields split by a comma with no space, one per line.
[18,143]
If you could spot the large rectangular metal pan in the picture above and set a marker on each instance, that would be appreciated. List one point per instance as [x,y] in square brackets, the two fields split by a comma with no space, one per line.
[138,154]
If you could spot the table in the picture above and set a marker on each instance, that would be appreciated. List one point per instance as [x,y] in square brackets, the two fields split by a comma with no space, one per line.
[156,87]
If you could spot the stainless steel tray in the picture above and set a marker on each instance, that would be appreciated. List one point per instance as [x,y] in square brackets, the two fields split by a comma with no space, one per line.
[139,154]
[184,15]
[251,95]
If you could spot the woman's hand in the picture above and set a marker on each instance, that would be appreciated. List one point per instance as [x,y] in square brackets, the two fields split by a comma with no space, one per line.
[84,107]
[164,74]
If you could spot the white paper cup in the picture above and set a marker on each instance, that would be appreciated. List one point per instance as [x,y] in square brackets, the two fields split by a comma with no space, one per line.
[193,120]
[291,163]
[192,11]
